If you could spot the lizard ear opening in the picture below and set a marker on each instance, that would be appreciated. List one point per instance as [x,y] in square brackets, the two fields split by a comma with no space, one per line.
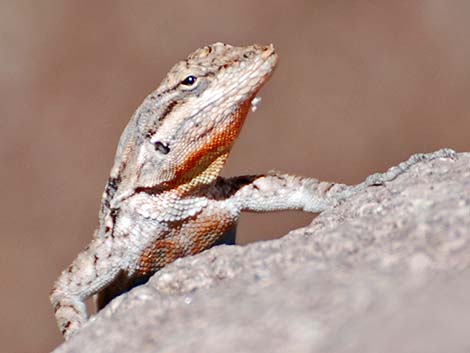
[162,148]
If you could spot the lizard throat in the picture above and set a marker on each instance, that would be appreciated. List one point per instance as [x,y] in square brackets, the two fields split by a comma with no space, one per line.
[206,162]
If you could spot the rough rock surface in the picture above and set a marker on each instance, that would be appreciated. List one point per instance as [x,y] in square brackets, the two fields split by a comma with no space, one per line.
[386,271]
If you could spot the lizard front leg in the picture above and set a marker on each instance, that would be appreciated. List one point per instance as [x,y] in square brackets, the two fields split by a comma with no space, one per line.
[92,270]
[276,191]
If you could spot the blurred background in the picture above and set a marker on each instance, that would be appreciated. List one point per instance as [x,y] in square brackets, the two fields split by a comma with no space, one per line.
[361,85]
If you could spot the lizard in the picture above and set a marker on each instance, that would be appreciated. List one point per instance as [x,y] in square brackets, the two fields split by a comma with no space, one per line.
[164,198]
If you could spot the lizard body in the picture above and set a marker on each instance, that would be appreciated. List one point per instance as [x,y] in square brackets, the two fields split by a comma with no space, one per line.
[164,198]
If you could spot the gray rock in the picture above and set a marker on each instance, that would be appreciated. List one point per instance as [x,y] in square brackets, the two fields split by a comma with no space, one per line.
[386,271]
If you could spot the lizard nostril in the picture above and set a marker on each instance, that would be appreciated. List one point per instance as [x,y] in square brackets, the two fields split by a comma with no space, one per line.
[249,54]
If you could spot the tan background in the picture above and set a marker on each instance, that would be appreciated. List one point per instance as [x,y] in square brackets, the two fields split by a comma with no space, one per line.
[361,85]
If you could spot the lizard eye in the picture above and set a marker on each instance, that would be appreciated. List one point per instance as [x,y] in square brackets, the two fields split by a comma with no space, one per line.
[189,81]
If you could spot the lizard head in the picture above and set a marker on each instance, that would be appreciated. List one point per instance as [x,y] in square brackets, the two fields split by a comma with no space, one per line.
[184,130]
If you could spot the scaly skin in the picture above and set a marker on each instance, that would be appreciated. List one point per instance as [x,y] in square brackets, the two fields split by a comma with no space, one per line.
[164,198]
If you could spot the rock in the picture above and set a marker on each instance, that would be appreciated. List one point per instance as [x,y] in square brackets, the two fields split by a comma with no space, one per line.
[386,271]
